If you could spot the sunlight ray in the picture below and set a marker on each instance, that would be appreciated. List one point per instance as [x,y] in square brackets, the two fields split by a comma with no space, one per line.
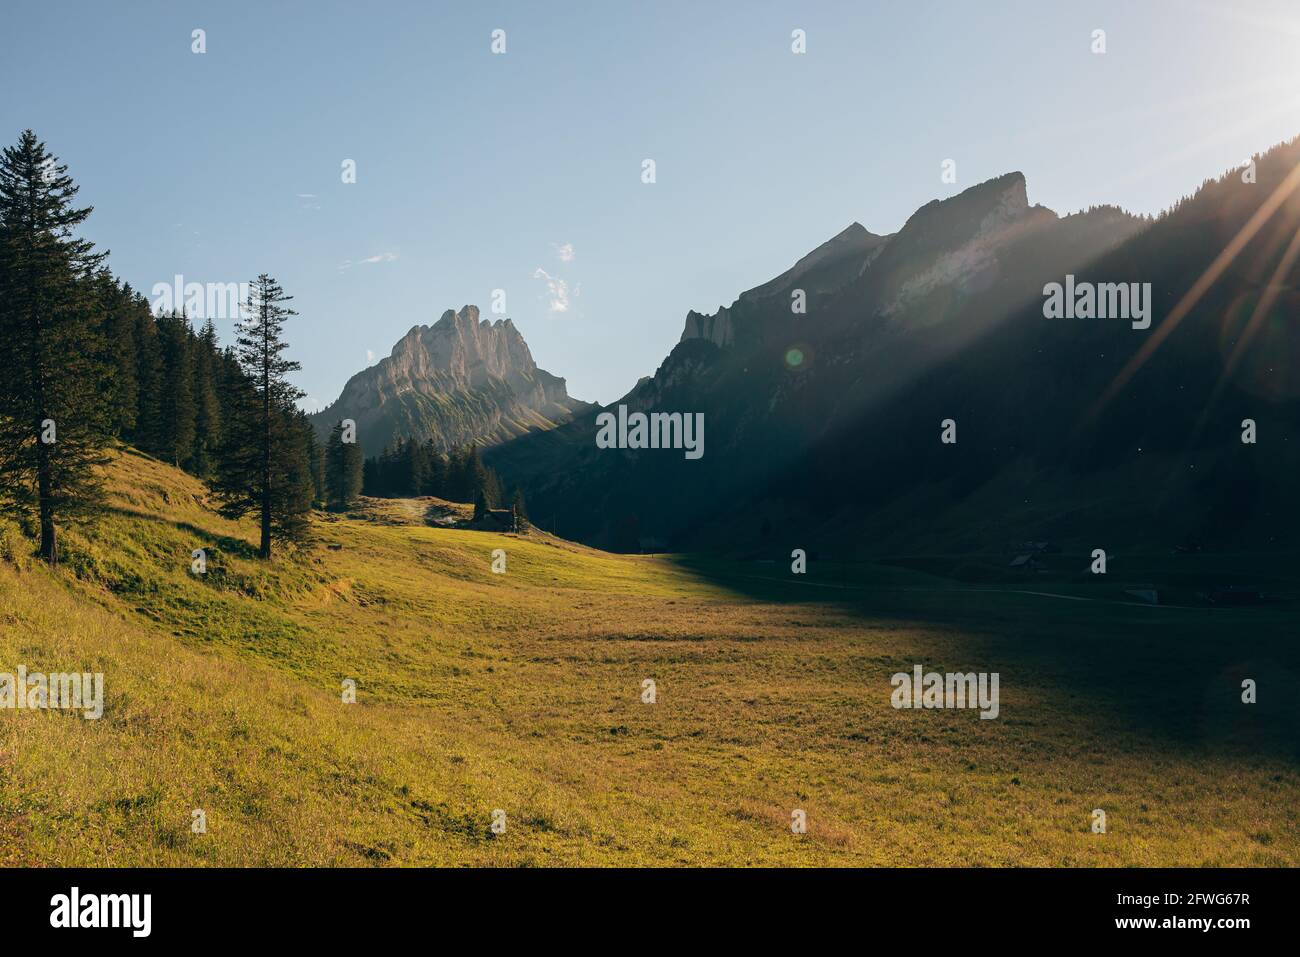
[1193,296]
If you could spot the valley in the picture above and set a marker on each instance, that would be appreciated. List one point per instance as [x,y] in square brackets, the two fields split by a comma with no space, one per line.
[522,692]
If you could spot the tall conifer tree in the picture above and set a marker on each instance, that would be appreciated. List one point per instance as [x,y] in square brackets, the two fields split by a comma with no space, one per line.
[264,468]
[343,469]
[178,412]
[119,306]
[147,434]
[53,424]
[207,401]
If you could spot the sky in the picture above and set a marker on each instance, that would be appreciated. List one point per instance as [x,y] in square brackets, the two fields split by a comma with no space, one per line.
[522,171]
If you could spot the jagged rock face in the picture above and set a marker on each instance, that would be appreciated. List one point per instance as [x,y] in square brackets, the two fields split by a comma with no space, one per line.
[457,381]
[717,328]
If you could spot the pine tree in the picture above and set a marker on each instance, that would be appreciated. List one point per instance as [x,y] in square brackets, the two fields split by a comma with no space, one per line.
[460,478]
[492,487]
[147,433]
[435,475]
[301,475]
[521,510]
[178,407]
[264,467]
[53,425]
[119,306]
[467,476]
[207,402]
[388,469]
[316,461]
[413,467]
[343,470]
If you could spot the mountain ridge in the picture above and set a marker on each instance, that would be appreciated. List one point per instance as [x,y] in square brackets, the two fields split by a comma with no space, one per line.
[942,319]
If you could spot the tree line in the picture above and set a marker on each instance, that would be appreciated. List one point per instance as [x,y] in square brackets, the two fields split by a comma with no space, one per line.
[85,363]
[408,467]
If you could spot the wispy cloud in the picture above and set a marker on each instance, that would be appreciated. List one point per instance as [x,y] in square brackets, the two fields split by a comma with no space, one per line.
[557,290]
[370,356]
[564,251]
[369,260]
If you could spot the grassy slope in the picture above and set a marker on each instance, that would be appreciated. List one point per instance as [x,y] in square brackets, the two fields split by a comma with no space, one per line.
[522,692]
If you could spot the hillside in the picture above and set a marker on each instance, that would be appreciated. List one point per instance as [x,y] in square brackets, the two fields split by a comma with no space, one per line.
[1087,430]
[521,691]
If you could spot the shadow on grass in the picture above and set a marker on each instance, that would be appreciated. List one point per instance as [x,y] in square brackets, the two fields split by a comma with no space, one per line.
[228,544]
[1175,673]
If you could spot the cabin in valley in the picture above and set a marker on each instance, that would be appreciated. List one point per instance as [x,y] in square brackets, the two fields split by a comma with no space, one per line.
[501,519]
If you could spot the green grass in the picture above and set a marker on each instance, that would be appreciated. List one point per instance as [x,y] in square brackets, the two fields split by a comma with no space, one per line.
[521,691]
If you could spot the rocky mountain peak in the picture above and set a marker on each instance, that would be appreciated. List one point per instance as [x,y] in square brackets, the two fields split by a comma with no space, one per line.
[463,347]
[458,380]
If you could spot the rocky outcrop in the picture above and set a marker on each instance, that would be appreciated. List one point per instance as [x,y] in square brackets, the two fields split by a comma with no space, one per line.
[717,328]
[459,380]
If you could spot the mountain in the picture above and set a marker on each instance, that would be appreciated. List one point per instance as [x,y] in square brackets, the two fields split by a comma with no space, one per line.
[827,268]
[824,427]
[457,381]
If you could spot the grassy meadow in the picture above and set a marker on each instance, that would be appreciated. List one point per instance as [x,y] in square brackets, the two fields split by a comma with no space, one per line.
[522,692]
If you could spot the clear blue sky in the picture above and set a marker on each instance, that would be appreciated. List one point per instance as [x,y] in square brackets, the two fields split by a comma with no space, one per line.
[475,170]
